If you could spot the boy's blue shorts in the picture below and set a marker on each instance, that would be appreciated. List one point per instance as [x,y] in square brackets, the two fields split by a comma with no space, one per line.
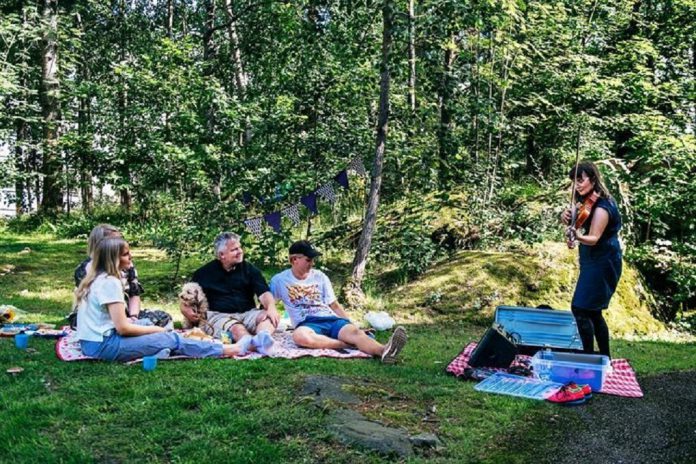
[327,325]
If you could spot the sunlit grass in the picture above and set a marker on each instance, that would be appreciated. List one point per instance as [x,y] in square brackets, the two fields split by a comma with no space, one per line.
[244,411]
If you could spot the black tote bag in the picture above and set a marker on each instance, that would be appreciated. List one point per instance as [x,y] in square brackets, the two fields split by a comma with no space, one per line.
[497,348]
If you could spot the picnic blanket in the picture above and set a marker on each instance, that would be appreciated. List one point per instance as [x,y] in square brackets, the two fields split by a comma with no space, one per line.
[68,349]
[621,381]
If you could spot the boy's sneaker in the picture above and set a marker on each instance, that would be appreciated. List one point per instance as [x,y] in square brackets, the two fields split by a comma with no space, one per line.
[394,346]
[568,396]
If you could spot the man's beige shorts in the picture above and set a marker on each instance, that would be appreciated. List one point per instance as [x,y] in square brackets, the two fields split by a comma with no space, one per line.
[223,322]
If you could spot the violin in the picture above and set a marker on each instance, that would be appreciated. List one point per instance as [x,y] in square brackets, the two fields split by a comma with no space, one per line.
[581,212]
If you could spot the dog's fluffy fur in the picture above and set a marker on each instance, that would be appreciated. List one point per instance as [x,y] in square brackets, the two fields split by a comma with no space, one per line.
[192,295]
[198,334]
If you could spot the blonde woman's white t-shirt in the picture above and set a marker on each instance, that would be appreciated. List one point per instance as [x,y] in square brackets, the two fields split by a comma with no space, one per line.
[93,319]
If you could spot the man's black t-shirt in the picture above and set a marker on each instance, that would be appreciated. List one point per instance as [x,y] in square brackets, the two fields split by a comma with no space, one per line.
[230,291]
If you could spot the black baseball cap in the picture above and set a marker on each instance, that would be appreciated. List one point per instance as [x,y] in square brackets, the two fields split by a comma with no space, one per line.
[303,247]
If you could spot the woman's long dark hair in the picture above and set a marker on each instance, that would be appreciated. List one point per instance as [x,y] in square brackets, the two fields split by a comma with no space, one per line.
[589,168]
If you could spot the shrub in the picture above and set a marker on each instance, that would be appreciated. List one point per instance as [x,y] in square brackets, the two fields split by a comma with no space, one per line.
[670,270]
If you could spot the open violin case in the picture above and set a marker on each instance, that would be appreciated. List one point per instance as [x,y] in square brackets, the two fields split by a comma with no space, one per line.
[536,329]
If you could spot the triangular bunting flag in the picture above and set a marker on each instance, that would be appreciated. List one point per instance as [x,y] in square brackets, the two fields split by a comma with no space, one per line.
[356,165]
[273,220]
[327,192]
[255,225]
[342,178]
[310,201]
[292,213]
[247,198]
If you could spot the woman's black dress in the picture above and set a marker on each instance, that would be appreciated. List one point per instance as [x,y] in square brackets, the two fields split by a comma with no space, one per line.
[600,265]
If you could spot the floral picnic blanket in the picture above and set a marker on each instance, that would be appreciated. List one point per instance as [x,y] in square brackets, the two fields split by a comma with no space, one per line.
[68,349]
[621,381]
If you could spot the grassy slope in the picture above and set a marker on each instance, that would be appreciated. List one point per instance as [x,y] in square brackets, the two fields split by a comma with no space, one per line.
[235,411]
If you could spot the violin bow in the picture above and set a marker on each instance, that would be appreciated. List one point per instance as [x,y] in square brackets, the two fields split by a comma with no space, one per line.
[570,233]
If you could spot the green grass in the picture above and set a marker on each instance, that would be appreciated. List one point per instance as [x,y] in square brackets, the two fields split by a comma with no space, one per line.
[247,411]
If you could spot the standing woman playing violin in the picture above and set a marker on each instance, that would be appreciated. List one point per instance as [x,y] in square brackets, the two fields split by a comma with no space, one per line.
[600,254]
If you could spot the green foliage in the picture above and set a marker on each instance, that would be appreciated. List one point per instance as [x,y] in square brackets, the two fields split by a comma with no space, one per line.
[414,250]
[671,271]
[75,225]
[181,123]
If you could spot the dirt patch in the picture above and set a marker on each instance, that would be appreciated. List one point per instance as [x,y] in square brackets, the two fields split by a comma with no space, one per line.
[660,427]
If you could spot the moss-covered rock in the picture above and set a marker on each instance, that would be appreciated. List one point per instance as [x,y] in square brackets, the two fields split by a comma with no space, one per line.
[471,284]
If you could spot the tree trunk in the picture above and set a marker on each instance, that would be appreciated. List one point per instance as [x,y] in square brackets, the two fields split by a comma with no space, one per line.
[83,120]
[21,205]
[500,127]
[477,94]
[83,127]
[240,77]
[124,171]
[491,55]
[170,18]
[34,166]
[209,53]
[68,187]
[411,56]
[20,197]
[693,70]
[52,198]
[353,290]
[445,130]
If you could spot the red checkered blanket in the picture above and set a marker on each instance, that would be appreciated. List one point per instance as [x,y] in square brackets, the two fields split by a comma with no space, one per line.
[621,381]
[68,349]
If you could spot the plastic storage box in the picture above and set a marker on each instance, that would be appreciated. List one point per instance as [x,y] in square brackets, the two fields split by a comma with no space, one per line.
[589,369]
[535,329]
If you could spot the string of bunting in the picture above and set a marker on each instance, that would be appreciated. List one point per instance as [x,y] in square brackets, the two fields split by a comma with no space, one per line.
[326,192]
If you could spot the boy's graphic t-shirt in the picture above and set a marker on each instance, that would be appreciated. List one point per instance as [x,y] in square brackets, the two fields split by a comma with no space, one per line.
[310,297]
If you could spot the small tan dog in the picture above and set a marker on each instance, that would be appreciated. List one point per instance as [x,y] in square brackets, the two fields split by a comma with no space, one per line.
[192,295]
[198,334]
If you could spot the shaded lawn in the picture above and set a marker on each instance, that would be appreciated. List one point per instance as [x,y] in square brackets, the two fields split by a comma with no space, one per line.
[248,411]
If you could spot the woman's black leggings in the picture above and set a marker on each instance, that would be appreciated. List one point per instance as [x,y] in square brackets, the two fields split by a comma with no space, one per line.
[591,324]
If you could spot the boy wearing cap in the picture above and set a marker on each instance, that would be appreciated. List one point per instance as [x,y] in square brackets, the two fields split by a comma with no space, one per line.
[318,318]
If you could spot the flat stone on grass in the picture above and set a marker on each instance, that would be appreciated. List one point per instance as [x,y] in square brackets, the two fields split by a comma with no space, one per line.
[324,388]
[351,428]
[426,440]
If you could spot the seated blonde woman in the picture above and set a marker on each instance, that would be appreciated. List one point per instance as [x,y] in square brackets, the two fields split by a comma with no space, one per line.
[131,285]
[104,330]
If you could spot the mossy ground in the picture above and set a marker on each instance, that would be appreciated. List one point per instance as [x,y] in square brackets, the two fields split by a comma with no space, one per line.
[470,285]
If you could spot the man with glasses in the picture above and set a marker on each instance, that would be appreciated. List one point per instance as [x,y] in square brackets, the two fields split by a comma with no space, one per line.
[318,318]
[230,284]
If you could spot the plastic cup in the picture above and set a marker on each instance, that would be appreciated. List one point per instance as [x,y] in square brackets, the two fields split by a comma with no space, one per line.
[21,341]
[149,363]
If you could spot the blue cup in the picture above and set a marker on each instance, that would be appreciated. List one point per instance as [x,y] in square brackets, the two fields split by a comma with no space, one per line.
[149,363]
[21,341]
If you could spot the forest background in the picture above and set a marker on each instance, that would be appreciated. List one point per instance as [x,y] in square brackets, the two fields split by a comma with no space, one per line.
[468,116]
